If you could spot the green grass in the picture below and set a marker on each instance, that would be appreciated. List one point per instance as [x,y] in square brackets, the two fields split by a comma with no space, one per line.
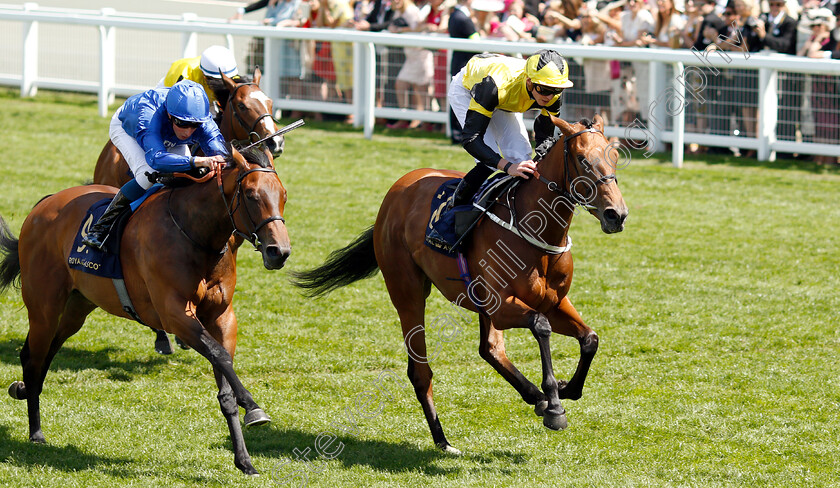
[717,309]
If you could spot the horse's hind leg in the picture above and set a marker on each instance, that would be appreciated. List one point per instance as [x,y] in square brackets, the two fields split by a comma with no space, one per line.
[566,320]
[492,349]
[47,333]
[408,288]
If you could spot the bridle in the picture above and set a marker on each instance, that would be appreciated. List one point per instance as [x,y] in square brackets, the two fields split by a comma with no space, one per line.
[240,120]
[236,200]
[567,191]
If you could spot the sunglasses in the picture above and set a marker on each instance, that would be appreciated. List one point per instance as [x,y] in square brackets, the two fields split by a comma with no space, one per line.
[185,124]
[547,90]
[729,13]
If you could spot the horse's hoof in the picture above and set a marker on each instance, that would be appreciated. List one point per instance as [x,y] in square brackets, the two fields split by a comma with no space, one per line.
[540,407]
[163,346]
[38,438]
[248,469]
[448,449]
[555,421]
[17,390]
[183,345]
[256,417]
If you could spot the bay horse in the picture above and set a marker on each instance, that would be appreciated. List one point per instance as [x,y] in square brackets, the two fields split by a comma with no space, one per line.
[246,117]
[185,287]
[519,279]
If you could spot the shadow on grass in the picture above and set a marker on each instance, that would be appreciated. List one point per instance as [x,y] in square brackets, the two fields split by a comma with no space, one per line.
[378,455]
[70,459]
[74,359]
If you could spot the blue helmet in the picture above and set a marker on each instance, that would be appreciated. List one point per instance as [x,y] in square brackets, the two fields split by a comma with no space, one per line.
[186,100]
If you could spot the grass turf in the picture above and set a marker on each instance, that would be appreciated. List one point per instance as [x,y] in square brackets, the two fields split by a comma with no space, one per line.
[717,310]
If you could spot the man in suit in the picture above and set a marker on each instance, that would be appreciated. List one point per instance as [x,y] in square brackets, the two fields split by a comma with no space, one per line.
[777,31]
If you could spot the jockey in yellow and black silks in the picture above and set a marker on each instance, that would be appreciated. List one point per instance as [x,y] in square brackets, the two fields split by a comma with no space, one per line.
[204,70]
[489,96]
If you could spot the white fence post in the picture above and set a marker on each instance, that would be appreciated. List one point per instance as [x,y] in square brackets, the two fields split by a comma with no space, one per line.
[768,107]
[678,126]
[271,69]
[656,119]
[107,64]
[359,91]
[28,82]
[369,53]
[189,40]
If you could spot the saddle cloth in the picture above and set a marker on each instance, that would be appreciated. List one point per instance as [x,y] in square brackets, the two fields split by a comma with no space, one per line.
[105,263]
[440,233]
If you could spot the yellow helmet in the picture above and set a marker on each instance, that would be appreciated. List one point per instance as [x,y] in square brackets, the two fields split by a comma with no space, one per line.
[548,68]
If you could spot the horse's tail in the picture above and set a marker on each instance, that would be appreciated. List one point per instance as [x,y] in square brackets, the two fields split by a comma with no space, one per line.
[343,266]
[10,261]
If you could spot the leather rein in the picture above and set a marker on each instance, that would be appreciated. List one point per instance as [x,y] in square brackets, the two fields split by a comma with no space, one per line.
[231,207]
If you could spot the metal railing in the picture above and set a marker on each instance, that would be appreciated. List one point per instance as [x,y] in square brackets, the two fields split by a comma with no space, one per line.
[678,79]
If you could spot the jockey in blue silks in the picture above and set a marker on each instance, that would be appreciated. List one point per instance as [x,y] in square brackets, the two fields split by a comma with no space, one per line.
[153,131]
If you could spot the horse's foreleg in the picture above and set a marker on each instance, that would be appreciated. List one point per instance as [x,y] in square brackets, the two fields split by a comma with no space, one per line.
[227,402]
[515,313]
[195,336]
[566,320]
[491,348]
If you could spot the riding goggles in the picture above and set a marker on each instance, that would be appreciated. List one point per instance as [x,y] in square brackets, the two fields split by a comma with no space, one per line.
[185,124]
[547,90]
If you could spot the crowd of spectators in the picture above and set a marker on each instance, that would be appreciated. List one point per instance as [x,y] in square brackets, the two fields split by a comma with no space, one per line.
[417,78]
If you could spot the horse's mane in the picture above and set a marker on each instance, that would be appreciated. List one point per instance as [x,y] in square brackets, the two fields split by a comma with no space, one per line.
[220,89]
[543,149]
[253,155]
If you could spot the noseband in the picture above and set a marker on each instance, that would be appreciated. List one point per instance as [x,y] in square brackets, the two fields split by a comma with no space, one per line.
[236,200]
[239,118]
[567,191]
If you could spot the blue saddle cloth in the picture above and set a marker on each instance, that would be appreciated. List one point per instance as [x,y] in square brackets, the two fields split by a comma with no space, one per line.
[105,263]
[440,233]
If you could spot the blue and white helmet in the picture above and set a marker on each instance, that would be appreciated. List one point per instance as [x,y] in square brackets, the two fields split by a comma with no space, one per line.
[218,58]
[186,100]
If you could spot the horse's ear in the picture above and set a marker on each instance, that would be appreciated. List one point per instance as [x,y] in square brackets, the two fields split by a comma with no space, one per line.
[257,75]
[599,122]
[565,127]
[228,81]
[237,157]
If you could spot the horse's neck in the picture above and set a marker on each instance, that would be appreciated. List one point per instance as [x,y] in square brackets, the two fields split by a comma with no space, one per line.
[545,213]
[201,211]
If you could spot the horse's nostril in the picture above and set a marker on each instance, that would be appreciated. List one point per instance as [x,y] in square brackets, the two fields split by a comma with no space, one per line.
[611,215]
[277,252]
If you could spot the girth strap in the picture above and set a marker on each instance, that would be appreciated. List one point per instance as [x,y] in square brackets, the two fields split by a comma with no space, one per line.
[125,300]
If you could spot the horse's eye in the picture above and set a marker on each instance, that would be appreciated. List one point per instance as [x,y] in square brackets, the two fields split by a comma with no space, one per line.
[252,194]
[582,160]
[241,106]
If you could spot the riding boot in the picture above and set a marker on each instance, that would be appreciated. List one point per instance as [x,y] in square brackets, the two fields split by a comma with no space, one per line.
[98,232]
[463,194]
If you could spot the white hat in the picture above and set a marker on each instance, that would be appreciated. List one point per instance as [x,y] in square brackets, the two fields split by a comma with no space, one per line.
[679,5]
[218,58]
[488,5]
[822,16]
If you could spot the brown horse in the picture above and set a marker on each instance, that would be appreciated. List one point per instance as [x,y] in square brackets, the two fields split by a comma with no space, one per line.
[191,296]
[520,277]
[246,118]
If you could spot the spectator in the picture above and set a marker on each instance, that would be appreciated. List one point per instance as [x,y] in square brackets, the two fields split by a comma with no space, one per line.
[636,23]
[485,14]
[709,114]
[597,73]
[335,14]
[417,72]
[693,19]
[460,26]
[777,31]
[741,36]
[822,45]
[287,13]
[669,25]
[389,60]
